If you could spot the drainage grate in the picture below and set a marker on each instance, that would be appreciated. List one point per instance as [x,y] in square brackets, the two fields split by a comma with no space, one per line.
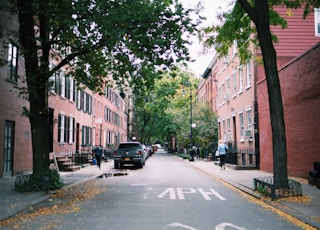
[111,174]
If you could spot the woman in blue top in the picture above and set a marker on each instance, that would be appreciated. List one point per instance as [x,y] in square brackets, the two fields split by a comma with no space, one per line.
[222,149]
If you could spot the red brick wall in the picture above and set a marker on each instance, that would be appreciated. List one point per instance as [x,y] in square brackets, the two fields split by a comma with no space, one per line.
[300,82]
[11,109]
[300,85]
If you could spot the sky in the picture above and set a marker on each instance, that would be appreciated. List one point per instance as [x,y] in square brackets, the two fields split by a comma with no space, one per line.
[202,61]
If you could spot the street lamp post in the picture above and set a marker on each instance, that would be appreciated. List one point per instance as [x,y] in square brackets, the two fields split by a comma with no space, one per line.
[191,138]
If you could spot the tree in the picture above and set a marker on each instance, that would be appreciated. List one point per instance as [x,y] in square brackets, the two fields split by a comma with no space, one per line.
[206,130]
[152,120]
[163,112]
[129,40]
[262,14]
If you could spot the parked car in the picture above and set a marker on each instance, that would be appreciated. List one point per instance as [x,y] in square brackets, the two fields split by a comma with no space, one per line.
[146,151]
[150,150]
[130,153]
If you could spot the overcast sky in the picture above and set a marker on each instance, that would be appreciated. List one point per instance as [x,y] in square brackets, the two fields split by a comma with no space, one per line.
[210,12]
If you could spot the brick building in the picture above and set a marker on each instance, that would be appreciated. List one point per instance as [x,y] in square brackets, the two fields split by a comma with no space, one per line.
[300,86]
[79,119]
[242,103]
[294,41]
[15,135]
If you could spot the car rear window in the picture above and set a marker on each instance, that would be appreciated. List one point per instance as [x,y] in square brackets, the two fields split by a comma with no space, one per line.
[129,146]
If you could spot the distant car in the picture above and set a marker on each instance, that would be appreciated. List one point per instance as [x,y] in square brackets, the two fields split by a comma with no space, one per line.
[130,153]
[145,149]
[150,150]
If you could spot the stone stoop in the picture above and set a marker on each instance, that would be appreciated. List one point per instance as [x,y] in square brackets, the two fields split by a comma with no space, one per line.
[66,164]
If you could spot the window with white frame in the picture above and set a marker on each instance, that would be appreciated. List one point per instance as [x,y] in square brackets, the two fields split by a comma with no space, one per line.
[248,74]
[234,83]
[65,129]
[223,91]
[240,79]
[249,119]
[219,95]
[69,126]
[228,129]
[317,21]
[61,128]
[12,63]
[86,135]
[241,122]
[227,93]
[62,79]
[78,100]
[224,128]
[69,88]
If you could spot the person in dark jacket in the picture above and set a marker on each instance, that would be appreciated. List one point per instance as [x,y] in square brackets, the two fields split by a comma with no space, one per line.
[98,155]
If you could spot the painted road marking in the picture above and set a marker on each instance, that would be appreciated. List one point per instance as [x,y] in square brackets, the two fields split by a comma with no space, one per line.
[221,226]
[179,193]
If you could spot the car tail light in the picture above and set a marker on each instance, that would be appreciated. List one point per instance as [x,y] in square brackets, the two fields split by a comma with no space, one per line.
[115,153]
[139,153]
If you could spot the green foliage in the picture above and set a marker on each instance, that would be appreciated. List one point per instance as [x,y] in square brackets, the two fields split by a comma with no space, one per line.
[164,112]
[49,182]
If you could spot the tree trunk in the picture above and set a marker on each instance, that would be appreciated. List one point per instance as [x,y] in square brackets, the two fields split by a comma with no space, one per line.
[37,89]
[275,97]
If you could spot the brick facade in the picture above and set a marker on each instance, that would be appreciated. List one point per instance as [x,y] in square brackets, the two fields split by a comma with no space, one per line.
[71,113]
[300,85]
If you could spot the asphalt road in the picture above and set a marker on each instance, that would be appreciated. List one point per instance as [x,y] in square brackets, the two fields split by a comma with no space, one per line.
[167,193]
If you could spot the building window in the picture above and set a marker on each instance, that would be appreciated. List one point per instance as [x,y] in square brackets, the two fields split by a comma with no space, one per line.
[317,21]
[86,135]
[61,129]
[234,83]
[240,79]
[227,93]
[69,88]
[248,74]
[62,84]
[228,130]
[12,63]
[65,129]
[224,129]
[249,119]
[241,121]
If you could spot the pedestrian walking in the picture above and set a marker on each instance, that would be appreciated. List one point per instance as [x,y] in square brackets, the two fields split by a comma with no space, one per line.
[98,155]
[222,149]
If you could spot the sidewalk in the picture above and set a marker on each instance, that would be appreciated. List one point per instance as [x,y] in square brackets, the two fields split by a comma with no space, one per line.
[12,202]
[307,212]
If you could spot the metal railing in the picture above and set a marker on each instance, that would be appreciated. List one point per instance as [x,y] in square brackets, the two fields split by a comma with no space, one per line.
[265,185]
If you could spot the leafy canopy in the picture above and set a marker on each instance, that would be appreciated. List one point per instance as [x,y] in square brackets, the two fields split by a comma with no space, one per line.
[131,40]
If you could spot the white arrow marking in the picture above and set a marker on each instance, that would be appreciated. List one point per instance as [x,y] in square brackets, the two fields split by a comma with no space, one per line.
[223,225]
[180,225]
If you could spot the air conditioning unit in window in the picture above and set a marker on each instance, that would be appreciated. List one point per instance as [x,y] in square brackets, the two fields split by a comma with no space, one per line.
[248,133]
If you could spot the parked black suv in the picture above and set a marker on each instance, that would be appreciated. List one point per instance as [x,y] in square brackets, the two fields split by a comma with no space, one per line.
[129,153]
